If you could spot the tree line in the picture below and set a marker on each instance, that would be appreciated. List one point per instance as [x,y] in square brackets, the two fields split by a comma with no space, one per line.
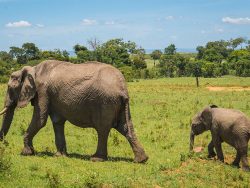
[216,58]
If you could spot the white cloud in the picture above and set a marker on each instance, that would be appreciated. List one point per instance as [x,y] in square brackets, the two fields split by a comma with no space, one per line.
[89,22]
[109,23]
[39,25]
[229,20]
[18,24]
[169,18]
[219,30]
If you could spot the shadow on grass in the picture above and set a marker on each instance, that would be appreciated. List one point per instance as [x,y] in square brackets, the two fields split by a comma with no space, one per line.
[83,157]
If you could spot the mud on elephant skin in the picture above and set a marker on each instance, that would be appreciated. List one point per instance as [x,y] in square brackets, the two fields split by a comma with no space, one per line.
[226,125]
[92,94]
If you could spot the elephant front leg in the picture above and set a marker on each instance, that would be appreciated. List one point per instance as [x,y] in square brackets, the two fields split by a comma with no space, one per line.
[38,121]
[33,129]
[236,161]
[217,144]
[101,151]
[211,152]
[243,154]
[219,151]
[60,139]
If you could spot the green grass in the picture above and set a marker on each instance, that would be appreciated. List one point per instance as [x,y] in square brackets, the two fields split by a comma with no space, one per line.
[161,111]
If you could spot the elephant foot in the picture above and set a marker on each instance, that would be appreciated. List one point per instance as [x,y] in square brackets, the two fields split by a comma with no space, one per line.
[28,151]
[141,158]
[98,158]
[60,154]
[211,155]
[235,165]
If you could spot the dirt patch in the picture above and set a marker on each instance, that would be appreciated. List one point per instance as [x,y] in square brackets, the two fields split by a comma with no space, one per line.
[234,88]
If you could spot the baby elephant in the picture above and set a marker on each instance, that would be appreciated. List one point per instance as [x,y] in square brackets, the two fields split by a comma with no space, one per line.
[226,125]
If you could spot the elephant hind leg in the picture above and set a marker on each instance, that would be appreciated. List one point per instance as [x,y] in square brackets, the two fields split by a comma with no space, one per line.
[140,155]
[58,125]
[104,121]
[101,151]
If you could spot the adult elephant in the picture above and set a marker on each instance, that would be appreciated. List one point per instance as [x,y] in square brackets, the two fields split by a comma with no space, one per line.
[92,94]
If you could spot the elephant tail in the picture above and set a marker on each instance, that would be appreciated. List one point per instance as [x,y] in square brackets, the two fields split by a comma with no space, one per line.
[129,124]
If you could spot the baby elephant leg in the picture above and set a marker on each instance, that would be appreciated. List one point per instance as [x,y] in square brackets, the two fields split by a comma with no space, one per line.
[236,161]
[211,152]
[243,155]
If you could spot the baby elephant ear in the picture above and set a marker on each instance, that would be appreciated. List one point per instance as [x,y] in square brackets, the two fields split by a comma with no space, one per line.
[28,89]
[213,106]
[206,115]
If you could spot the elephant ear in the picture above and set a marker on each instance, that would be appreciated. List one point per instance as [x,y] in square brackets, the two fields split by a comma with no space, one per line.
[206,116]
[28,89]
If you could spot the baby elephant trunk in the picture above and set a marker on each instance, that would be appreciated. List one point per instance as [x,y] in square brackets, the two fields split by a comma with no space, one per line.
[191,140]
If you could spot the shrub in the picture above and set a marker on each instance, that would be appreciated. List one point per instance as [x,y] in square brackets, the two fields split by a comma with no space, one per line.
[128,73]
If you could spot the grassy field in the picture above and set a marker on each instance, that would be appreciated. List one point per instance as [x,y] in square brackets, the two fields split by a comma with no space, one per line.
[161,111]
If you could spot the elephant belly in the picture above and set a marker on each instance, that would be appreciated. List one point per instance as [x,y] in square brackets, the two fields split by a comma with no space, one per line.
[88,114]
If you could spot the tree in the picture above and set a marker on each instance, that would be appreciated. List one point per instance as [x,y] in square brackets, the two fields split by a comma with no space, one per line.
[65,54]
[115,52]
[167,65]
[195,69]
[78,48]
[156,55]
[93,43]
[170,50]
[243,67]
[200,53]
[19,54]
[180,63]
[236,42]
[208,69]
[214,51]
[83,55]
[139,61]
[31,51]
[213,55]
[5,56]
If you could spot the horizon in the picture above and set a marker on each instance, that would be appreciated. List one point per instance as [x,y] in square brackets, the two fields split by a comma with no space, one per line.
[152,25]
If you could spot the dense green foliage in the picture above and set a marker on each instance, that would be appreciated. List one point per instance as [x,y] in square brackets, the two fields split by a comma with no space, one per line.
[216,58]
[161,111]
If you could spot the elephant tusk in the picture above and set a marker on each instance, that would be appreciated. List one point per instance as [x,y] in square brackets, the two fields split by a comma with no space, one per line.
[3,111]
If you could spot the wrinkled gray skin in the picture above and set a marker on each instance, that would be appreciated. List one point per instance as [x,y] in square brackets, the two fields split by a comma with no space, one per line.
[87,95]
[226,125]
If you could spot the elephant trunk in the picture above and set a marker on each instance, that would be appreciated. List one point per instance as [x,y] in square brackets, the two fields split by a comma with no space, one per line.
[7,119]
[191,140]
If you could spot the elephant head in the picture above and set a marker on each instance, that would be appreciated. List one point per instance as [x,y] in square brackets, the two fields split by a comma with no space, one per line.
[21,89]
[201,122]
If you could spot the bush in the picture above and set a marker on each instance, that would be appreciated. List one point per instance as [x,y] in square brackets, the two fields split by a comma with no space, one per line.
[128,73]
[208,69]
[243,67]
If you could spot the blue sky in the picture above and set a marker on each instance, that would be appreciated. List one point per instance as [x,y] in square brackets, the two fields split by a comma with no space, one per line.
[153,24]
